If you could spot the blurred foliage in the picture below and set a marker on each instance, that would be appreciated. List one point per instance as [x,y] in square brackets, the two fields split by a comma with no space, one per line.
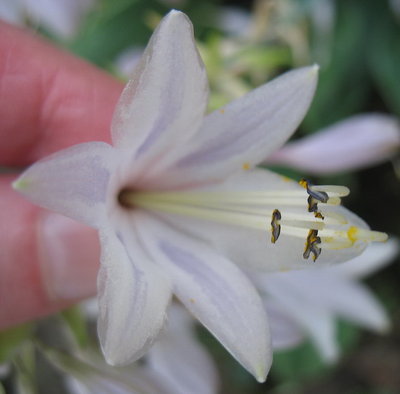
[114,26]
[12,339]
[343,84]
[77,323]
[363,67]
[384,54]
[304,362]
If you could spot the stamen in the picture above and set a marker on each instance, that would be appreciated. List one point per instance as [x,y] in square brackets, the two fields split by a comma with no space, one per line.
[315,194]
[292,198]
[318,194]
[275,226]
[332,190]
[312,245]
[334,217]
[330,243]
[307,224]
[360,234]
[330,218]
[322,230]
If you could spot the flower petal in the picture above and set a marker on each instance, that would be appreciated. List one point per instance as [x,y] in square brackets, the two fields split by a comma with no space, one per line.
[249,129]
[341,296]
[179,360]
[167,95]
[216,292]
[375,257]
[317,321]
[72,182]
[285,332]
[356,142]
[252,248]
[319,292]
[133,296]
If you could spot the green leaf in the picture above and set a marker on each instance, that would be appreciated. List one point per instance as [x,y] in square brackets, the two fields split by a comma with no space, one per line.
[343,84]
[384,55]
[112,27]
[25,366]
[12,339]
[77,324]
[298,364]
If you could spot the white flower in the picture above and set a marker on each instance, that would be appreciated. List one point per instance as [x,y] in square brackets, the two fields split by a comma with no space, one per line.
[177,200]
[310,301]
[353,143]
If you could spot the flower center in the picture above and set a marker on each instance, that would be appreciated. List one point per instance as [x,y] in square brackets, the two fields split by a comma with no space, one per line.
[293,212]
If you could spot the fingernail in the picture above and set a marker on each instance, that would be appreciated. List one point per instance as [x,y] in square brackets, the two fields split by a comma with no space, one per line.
[69,257]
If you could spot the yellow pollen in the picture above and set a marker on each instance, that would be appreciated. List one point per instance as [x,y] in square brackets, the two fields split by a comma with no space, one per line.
[352,233]
[222,111]
[246,166]
[303,183]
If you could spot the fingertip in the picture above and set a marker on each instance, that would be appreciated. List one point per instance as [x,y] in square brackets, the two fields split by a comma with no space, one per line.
[47,262]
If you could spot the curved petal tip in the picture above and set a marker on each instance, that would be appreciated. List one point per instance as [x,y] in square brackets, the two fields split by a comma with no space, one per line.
[261,373]
[176,15]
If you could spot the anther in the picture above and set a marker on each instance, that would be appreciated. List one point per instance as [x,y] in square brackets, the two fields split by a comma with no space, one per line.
[319,215]
[275,225]
[312,204]
[312,245]
[314,196]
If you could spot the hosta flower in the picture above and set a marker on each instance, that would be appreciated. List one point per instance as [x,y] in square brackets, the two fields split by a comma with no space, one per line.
[177,202]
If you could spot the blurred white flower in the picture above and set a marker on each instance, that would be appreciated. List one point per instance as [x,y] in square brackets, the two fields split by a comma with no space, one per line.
[61,17]
[285,332]
[356,142]
[311,301]
[127,60]
[234,21]
[87,373]
[177,360]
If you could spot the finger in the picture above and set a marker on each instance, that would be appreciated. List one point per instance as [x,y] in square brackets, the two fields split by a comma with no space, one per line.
[49,99]
[47,261]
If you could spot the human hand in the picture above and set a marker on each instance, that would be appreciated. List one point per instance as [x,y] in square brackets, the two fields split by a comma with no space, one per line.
[48,100]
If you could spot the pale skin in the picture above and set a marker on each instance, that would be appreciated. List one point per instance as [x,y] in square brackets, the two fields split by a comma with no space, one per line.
[49,100]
